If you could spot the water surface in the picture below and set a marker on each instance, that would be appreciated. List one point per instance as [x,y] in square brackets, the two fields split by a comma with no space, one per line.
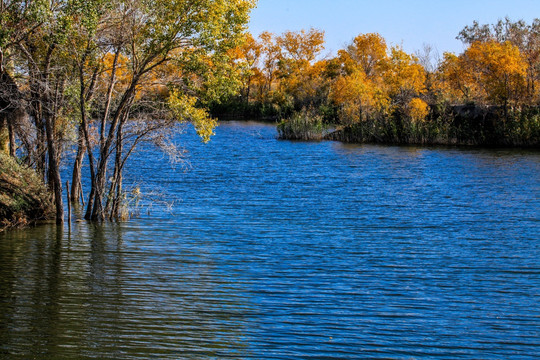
[266,249]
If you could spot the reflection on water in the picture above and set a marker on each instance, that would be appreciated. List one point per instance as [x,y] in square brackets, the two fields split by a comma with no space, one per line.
[288,250]
[83,293]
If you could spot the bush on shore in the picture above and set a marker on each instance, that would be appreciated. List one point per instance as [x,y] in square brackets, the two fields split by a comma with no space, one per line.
[24,198]
[306,124]
[449,125]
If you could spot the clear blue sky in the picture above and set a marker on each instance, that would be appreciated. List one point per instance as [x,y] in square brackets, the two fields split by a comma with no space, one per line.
[409,23]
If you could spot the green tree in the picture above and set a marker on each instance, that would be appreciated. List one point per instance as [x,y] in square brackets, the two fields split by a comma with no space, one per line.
[193,35]
[141,68]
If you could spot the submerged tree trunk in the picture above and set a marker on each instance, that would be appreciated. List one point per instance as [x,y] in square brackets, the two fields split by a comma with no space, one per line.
[76,190]
[116,186]
[99,185]
[54,170]
[95,210]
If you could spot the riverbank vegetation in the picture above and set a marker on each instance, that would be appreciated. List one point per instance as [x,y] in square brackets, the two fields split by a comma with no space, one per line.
[375,92]
[24,198]
[83,83]
[98,77]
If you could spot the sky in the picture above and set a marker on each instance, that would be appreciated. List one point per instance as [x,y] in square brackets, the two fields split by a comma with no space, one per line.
[409,23]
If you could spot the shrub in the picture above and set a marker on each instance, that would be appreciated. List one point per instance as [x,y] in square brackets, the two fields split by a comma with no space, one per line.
[24,198]
[306,124]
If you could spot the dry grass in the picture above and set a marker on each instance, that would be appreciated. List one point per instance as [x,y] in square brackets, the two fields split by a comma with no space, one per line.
[23,197]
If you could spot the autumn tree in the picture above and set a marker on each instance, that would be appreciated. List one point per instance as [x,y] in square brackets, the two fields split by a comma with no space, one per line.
[195,37]
[369,52]
[403,76]
[112,74]
[358,97]
[498,69]
[453,84]
[297,74]
[247,56]
[271,54]
[525,37]
[487,72]
[376,81]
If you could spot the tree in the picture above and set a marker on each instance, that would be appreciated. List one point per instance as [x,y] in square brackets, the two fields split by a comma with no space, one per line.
[375,82]
[271,56]
[369,52]
[404,76]
[453,83]
[247,57]
[195,36]
[299,50]
[487,72]
[519,34]
[499,69]
[138,66]
[358,97]
[36,44]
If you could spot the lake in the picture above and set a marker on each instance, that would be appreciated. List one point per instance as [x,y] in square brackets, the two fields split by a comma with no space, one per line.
[263,249]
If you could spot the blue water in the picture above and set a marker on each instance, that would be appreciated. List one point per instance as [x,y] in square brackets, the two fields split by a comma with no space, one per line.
[256,248]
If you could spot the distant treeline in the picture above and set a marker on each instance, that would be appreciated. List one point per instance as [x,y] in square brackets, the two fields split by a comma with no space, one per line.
[372,92]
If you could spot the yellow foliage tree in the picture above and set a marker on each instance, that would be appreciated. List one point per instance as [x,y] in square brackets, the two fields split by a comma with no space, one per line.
[488,72]
[372,79]
[453,83]
[403,75]
[498,69]
[418,110]
[271,54]
[369,52]
[247,57]
[358,97]
[299,50]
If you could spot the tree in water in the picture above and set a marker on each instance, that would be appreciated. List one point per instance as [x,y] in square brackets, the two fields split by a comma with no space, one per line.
[141,68]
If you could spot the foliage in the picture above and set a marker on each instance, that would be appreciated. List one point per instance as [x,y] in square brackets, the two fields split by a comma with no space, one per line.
[368,52]
[110,74]
[418,110]
[384,94]
[487,72]
[359,97]
[403,75]
[184,109]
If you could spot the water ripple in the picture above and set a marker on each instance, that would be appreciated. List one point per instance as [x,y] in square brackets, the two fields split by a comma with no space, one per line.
[291,250]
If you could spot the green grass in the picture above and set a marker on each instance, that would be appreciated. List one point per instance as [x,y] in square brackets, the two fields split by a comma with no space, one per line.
[302,125]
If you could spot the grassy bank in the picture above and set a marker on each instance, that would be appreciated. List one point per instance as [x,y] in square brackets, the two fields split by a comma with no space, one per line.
[445,125]
[303,125]
[23,197]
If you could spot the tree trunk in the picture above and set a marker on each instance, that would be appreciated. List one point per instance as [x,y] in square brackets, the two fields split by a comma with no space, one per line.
[117,190]
[89,151]
[12,147]
[37,114]
[121,114]
[4,135]
[77,166]
[54,171]
[10,98]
